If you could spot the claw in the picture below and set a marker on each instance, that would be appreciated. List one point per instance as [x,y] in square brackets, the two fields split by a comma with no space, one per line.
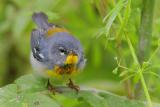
[73,86]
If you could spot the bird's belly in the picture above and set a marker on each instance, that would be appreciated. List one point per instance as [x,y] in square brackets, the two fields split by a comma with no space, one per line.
[60,75]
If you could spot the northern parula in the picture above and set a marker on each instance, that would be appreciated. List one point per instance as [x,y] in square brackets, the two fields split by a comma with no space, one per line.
[54,51]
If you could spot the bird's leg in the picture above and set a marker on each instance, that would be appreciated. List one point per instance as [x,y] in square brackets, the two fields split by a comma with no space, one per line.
[52,88]
[73,86]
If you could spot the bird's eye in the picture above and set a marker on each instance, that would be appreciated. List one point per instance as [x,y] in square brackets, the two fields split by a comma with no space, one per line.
[62,51]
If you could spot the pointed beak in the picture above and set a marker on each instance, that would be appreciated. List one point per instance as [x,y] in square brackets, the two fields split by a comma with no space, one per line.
[71,59]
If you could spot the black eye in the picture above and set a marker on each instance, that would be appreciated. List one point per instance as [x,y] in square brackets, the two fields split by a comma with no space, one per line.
[62,51]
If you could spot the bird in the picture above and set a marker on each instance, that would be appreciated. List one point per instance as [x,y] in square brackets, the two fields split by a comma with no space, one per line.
[55,52]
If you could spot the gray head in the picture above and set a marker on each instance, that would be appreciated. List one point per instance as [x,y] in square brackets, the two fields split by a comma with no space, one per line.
[64,49]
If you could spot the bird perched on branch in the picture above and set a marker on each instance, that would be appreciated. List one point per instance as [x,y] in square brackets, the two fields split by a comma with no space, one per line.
[55,53]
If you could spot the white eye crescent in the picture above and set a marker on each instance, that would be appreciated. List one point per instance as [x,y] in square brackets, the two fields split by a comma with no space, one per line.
[62,53]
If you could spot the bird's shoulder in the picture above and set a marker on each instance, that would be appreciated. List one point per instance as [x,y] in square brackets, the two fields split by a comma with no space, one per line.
[54,29]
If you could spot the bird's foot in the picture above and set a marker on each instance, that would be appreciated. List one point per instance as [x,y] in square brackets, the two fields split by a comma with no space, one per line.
[52,89]
[73,86]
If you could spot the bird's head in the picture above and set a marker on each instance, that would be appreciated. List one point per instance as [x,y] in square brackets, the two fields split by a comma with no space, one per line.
[64,50]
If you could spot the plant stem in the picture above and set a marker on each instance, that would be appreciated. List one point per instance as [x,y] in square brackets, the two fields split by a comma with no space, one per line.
[132,50]
[140,70]
[145,34]
[145,88]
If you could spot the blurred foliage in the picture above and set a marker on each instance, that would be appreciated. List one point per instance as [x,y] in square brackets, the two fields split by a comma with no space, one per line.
[84,18]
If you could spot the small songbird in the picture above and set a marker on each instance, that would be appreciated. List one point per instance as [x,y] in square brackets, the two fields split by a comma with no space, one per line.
[55,52]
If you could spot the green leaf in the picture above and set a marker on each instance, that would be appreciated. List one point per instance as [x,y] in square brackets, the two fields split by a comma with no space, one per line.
[115,71]
[145,64]
[9,96]
[116,101]
[112,16]
[39,100]
[92,98]
[31,83]
[136,78]
[25,93]
[124,21]
[123,73]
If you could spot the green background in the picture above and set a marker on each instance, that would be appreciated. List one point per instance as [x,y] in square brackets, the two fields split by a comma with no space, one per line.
[83,18]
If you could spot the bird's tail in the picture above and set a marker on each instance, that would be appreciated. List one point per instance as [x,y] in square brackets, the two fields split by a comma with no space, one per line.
[41,20]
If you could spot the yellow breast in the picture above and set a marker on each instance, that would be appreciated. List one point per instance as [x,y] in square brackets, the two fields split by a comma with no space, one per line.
[60,71]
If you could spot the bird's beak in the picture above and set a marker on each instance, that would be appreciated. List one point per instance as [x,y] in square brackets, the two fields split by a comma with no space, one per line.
[71,59]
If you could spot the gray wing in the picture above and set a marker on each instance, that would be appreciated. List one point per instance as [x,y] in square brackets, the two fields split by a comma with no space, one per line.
[38,45]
